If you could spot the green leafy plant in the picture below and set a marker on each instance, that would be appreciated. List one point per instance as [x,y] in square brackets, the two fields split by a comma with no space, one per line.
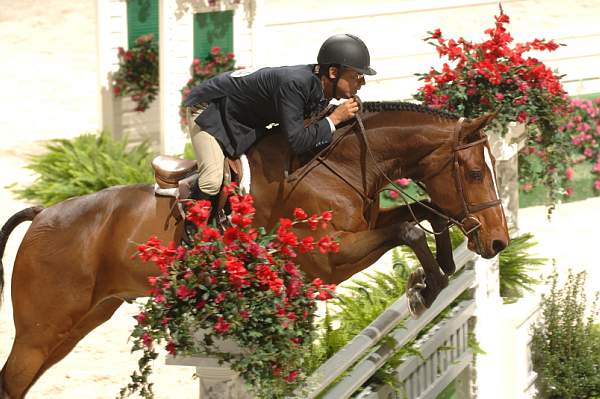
[137,75]
[566,343]
[84,165]
[201,70]
[517,266]
[241,285]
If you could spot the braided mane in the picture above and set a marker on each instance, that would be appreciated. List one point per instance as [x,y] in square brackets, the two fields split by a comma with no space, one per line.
[381,106]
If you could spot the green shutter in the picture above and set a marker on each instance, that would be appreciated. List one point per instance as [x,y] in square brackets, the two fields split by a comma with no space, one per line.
[142,18]
[213,29]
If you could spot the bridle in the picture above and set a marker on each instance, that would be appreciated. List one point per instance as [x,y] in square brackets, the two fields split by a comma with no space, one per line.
[464,221]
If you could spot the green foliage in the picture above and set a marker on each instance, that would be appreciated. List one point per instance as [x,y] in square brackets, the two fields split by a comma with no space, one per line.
[84,165]
[516,267]
[566,343]
[582,185]
[355,309]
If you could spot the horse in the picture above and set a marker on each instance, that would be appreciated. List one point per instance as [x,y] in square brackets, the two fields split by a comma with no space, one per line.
[74,267]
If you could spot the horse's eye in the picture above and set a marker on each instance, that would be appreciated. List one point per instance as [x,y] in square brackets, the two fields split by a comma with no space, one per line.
[476,175]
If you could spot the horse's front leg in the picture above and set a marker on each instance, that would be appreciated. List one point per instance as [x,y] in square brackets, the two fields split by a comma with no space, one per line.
[443,252]
[361,249]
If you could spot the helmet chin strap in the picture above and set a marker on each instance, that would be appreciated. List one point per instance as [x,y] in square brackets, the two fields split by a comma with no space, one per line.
[335,81]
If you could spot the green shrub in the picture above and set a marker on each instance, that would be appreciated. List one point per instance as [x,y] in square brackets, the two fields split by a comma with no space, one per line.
[516,267]
[566,343]
[83,165]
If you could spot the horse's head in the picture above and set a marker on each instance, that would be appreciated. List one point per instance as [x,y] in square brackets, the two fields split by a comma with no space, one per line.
[462,182]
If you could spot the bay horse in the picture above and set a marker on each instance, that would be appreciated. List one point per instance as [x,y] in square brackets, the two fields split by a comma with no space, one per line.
[74,267]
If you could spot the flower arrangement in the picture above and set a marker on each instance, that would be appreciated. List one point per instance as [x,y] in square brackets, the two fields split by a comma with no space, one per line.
[495,75]
[215,63]
[583,128]
[137,76]
[241,285]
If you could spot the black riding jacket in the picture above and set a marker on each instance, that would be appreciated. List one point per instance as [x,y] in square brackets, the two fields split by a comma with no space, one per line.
[241,104]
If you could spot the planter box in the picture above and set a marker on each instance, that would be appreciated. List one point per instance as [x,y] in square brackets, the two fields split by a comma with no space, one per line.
[216,381]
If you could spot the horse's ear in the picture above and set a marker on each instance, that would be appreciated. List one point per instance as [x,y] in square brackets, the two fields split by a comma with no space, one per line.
[472,128]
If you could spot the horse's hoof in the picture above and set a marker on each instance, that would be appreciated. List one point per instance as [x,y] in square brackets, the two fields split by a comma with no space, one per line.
[415,284]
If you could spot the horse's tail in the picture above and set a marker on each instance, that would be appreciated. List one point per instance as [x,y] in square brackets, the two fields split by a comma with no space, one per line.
[16,219]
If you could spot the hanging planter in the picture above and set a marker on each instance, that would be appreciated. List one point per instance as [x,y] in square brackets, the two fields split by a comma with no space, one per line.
[242,286]
[201,70]
[137,76]
[495,75]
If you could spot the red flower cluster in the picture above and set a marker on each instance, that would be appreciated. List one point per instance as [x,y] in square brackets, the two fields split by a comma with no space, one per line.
[492,74]
[138,72]
[583,129]
[242,284]
[496,75]
[216,62]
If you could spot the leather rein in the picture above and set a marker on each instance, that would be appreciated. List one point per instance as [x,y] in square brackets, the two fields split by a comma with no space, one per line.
[468,208]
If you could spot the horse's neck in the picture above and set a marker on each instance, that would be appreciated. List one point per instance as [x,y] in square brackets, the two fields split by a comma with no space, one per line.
[398,141]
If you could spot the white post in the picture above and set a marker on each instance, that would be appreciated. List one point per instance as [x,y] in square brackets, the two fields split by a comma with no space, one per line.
[487,375]
[111,33]
[494,370]
[175,58]
[505,150]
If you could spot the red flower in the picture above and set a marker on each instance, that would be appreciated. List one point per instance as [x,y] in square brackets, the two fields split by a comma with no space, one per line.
[171,348]
[326,292]
[184,292]
[220,297]
[569,174]
[230,235]
[293,288]
[141,317]
[210,234]
[199,212]
[326,244]
[292,270]
[285,224]
[147,340]
[221,326]
[307,244]
[300,214]
[292,376]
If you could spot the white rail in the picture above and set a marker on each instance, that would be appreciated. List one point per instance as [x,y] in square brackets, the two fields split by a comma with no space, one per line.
[391,318]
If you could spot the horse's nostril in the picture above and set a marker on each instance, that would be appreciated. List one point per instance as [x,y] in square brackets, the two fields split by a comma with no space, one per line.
[498,245]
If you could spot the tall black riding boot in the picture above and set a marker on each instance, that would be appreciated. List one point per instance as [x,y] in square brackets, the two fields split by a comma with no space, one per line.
[189,228]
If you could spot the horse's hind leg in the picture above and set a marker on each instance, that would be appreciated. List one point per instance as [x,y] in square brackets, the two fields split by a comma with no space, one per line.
[96,316]
[20,375]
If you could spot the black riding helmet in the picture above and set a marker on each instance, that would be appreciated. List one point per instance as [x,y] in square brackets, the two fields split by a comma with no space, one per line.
[348,51]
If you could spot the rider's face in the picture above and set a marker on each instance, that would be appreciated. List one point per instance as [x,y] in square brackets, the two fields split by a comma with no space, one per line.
[349,83]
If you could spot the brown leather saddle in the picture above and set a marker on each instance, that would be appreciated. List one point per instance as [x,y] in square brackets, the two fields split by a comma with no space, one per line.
[175,177]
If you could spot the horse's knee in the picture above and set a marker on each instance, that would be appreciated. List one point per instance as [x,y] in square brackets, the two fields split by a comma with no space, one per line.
[411,234]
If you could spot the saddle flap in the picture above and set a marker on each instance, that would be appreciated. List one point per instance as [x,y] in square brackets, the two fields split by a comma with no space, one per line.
[169,170]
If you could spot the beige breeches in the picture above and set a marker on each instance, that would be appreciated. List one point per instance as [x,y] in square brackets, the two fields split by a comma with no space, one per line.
[209,155]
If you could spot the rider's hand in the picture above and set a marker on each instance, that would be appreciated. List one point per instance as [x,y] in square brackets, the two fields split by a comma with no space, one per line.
[344,111]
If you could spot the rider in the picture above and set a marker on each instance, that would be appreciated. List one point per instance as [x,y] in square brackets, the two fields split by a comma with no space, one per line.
[229,112]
